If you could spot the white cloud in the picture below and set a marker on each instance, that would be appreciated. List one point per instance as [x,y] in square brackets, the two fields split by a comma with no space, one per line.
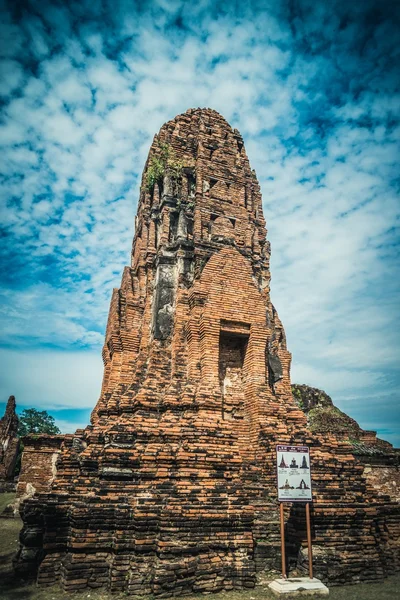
[319,131]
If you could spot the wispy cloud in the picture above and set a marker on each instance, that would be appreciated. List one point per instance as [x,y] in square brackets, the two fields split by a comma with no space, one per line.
[314,90]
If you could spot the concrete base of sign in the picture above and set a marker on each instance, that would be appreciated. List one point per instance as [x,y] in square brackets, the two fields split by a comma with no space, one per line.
[298,586]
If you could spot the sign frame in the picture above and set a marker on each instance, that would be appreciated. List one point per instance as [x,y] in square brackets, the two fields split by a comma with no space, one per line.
[301,451]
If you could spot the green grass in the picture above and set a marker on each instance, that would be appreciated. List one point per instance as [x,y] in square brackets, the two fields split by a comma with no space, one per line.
[18,589]
[9,535]
[5,499]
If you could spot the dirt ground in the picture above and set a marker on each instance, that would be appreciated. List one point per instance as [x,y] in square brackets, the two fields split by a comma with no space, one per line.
[14,589]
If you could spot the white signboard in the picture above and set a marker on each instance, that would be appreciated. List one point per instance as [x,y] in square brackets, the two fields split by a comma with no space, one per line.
[294,473]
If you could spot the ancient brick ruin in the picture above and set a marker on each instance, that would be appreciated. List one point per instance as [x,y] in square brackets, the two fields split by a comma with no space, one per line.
[172,487]
[324,417]
[38,464]
[9,444]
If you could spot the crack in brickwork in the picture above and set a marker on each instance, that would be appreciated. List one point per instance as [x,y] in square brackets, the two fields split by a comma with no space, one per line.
[163,494]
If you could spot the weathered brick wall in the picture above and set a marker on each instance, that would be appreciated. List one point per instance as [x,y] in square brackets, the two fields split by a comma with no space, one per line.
[171,488]
[38,463]
[385,479]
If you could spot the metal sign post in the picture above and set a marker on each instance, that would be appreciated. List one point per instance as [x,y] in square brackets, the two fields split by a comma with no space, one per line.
[283,541]
[310,570]
[294,485]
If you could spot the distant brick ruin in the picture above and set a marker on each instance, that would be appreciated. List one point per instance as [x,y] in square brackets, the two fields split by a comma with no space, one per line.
[324,417]
[9,444]
[172,488]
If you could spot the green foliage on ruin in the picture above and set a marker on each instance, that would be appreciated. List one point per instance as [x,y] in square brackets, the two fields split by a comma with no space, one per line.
[155,172]
[331,419]
[188,206]
[165,159]
[298,397]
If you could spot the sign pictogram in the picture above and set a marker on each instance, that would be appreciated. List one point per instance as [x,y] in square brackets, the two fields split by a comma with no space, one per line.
[294,473]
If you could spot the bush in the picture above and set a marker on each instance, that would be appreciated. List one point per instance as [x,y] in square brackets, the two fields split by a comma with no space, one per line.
[159,163]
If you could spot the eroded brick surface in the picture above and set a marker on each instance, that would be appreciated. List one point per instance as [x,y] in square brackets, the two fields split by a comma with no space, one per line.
[38,464]
[171,488]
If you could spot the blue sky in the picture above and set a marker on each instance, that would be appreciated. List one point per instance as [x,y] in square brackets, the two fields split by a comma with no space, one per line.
[314,89]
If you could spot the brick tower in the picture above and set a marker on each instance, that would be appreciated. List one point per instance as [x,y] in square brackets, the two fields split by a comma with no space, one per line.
[172,487]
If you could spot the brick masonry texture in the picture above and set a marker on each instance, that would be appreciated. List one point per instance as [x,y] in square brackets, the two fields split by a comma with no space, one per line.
[38,465]
[172,488]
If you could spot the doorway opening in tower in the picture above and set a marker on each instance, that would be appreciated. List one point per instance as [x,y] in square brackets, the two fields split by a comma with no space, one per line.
[232,353]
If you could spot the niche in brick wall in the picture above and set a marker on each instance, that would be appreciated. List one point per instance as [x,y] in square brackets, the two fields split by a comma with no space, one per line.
[173,226]
[222,227]
[232,352]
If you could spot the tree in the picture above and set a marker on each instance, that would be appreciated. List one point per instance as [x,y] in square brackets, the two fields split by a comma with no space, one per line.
[36,421]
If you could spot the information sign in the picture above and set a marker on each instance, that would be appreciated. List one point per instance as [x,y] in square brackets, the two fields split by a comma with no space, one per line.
[294,473]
